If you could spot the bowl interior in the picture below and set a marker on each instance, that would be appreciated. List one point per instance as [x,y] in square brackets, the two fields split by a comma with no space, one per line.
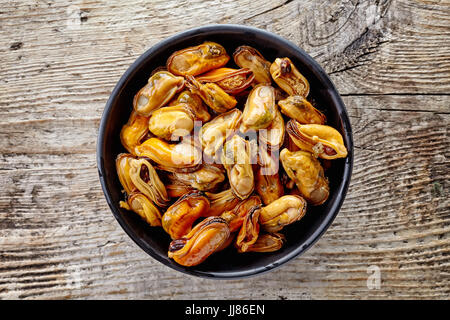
[228,263]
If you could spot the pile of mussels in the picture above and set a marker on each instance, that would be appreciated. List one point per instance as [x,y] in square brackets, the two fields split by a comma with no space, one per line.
[204,145]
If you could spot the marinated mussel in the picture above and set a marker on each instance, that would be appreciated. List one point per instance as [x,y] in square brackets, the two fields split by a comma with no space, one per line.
[140,204]
[161,87]
[221,202]
[146,180]
[178,219]
[235,217]
[260,108]
[268,242]
[249,232]
[232,81]
[206,178]
[134,131]
[213,95]
[172,122]
[268,187]
[323,141]
[212,135]
[195,103]
[288,78]
[180,155]
[300,109]
[248,57]
[273,135]
[282,212]
[307,173]
[236,158]
[198,59]
[203,240]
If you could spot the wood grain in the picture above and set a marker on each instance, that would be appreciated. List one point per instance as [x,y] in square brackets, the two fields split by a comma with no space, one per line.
[390,60]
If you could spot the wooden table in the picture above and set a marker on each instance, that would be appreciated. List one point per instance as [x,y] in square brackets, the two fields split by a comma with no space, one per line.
[390,60]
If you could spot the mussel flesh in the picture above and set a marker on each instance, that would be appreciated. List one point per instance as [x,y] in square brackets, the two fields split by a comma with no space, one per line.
[146,180]
[268,187]
[235,217]
[180,155]
[161,87]
[232,81]
[195,103]
[221,202]
[249,232]
[123,172]
[204,239]
[213,95]
[323,141]
[172,122]
[198,59]
[248,57]
[300,109]
[282,212]
[288,78]
[206,178]
[273,135]
[307,173]
[134,131]
[178,219]
[140,204]
[236,158]
[260,108]
[212,135]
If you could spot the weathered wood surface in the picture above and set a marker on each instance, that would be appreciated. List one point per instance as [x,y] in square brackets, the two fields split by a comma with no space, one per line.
[59,62]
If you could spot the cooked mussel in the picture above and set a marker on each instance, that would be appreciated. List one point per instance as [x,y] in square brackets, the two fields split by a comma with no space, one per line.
[267,242]
[198,59]
[177,190]
[204,239]
[235,217]
[180,155]
[213,95]
[300,109]
[134,131]
[323,141]
[207,177]
[221,202]
[161,87]
[140,204]
[268,187]
[248,57]
[212,135]
[288,78]
[236,158]
[146,180]
[307,173]
[195,103]
[273,135]
[260,108]
[123,172]
[282,212]
[232,81]
[139,175]
[248,234]
[172,122]
[178,219]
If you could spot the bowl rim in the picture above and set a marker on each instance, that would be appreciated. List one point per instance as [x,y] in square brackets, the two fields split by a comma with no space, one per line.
[322,77]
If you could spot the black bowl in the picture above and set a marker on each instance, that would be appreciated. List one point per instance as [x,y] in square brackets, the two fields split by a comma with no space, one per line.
[228,263]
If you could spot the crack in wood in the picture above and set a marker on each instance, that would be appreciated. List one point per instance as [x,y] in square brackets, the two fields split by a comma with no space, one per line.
[268,10]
